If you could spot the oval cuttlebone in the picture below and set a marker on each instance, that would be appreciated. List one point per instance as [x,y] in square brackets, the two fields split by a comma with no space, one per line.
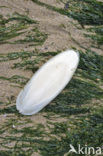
[47,82]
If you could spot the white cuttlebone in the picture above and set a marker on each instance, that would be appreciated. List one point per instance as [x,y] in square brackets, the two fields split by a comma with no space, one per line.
[47,82]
